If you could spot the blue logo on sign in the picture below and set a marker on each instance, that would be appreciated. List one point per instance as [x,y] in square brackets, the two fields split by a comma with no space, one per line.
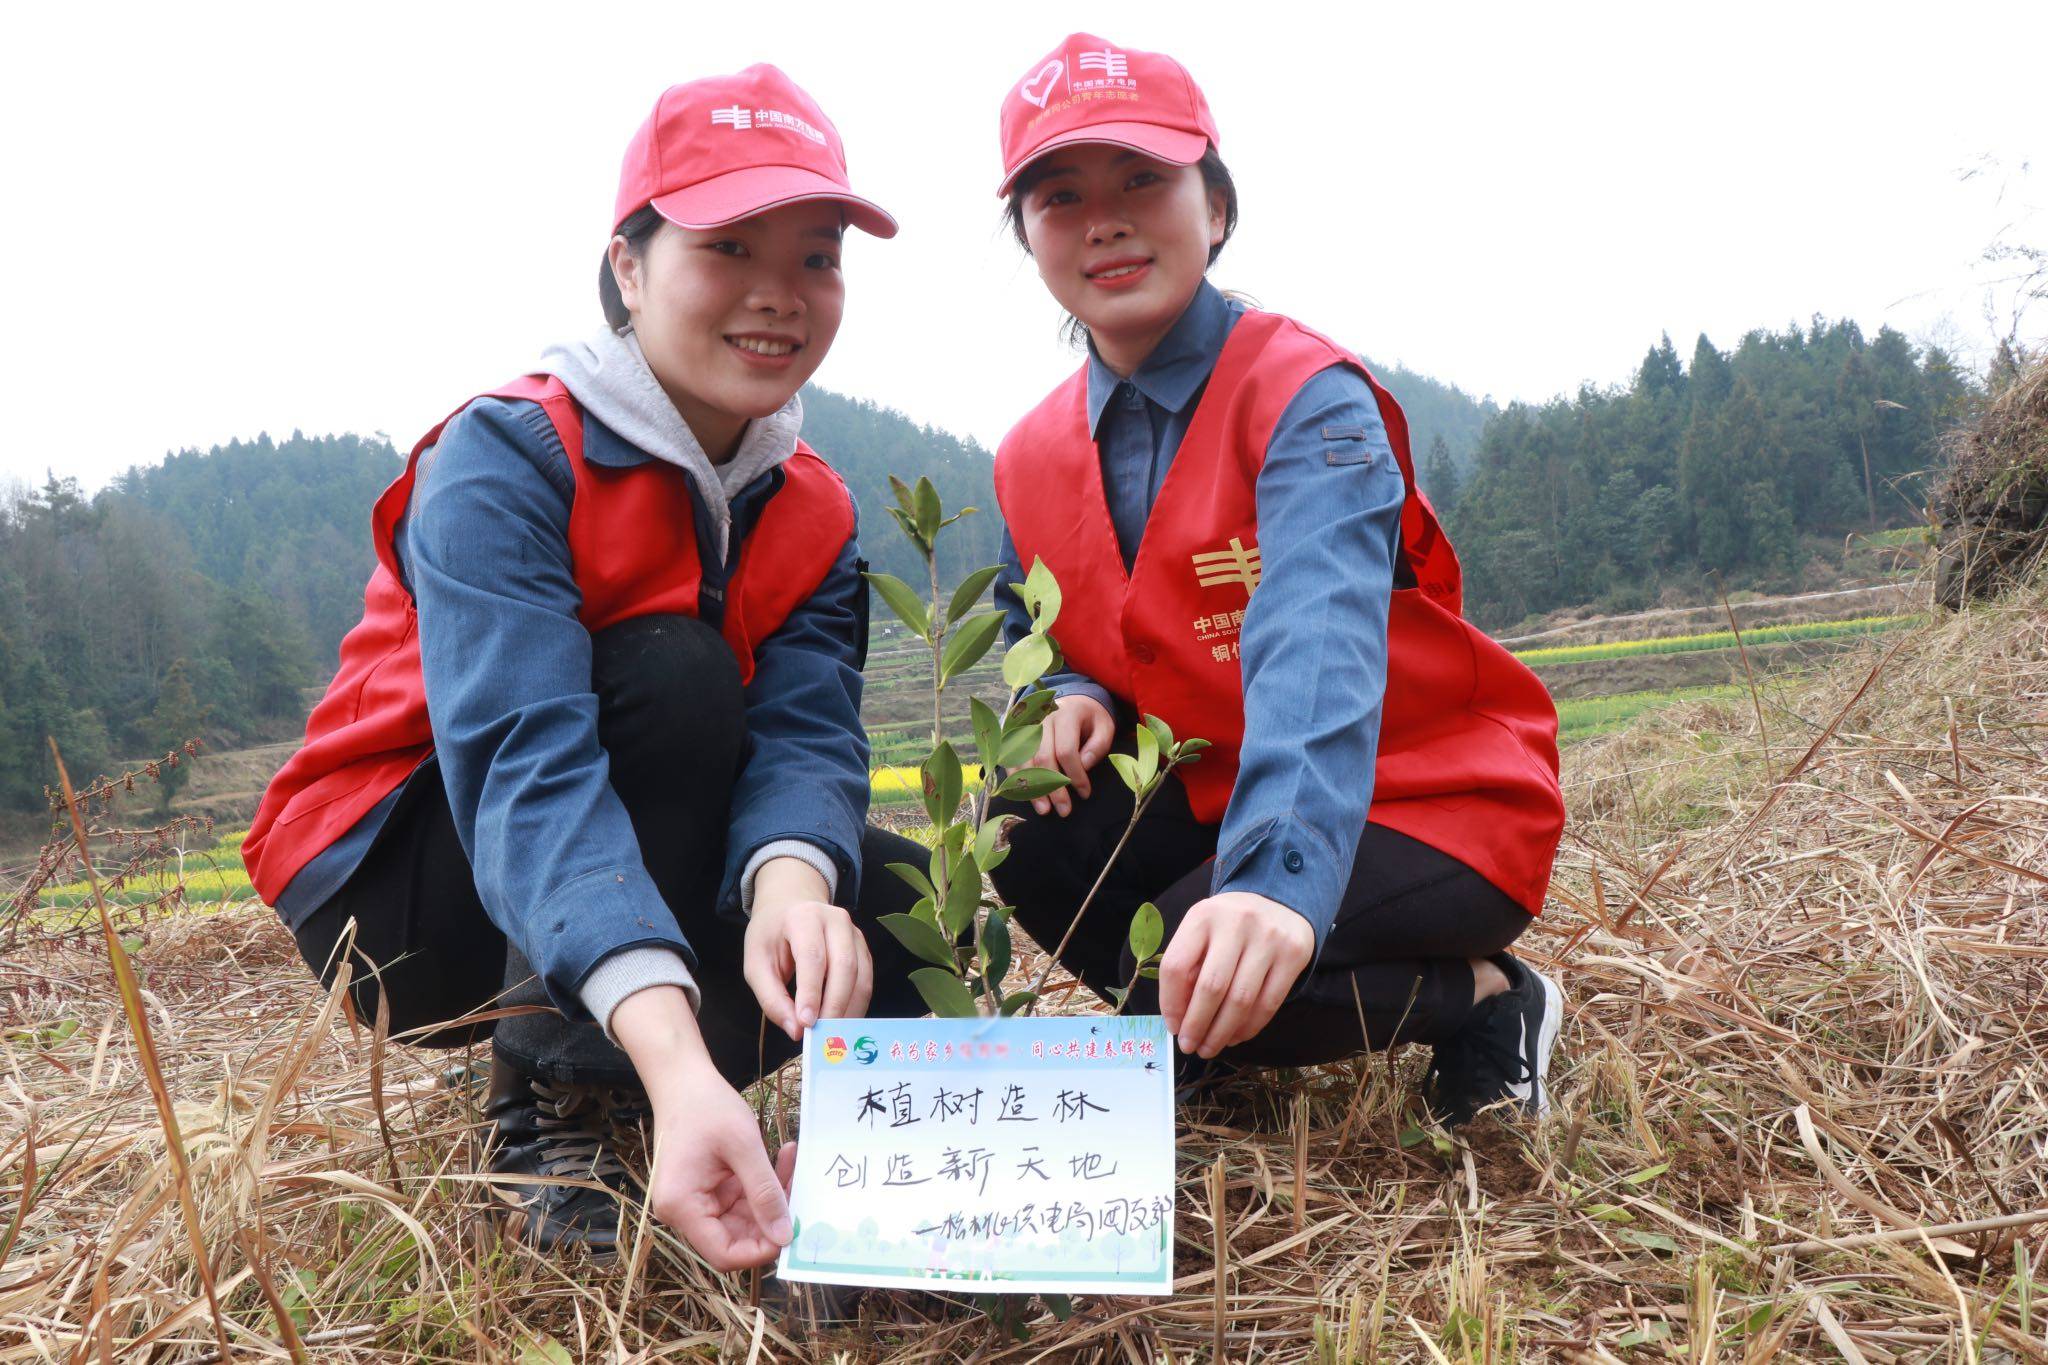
[864,1050]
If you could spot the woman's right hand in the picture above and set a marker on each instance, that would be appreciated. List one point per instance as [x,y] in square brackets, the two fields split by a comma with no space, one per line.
[1077,735]
[712,1180]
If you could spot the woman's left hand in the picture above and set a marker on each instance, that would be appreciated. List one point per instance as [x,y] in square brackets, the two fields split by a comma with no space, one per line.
[1231,963]
[795,933]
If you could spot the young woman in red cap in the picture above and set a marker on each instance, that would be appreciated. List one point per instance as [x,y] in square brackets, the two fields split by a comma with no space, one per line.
[1229,500]
[596,742]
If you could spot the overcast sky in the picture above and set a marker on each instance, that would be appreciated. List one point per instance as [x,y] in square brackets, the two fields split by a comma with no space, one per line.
[351,217]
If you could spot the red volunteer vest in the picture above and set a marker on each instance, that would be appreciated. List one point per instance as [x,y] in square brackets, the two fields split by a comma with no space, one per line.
[633,545]
[1468,736]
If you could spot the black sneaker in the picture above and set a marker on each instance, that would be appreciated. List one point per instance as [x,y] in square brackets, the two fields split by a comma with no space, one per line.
[1503,1053]
[561,1131]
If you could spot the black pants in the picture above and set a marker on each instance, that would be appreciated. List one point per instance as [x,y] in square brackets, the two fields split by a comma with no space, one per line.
[672,722]
[1396,967]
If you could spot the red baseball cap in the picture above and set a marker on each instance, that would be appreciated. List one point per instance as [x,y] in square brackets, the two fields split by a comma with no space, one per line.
[1089,90]
[727,147]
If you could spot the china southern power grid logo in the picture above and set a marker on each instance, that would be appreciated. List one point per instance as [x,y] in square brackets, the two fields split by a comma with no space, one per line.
[864,1050]
[1235,564]
[1108,61]
[741,119]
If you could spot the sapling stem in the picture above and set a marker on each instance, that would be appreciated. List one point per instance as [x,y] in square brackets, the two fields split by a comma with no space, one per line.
[1045,972]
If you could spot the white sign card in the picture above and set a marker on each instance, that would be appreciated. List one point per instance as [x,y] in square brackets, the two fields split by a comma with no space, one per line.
[998,1155]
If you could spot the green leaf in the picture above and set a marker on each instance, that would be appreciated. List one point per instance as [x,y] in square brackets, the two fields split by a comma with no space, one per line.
[946,993]
[1655,1241]
[546,1351]
[908,525]
[1643,1177]
[1013,1003]
[985,849]
[942,784]
[1655,1330]
[131,944]
[1028,784]
[1161,731]
[1610,1213]
[1043,596]
[1127,768]
[964,650]
[929,510]
[1059,1305]
[1032,707]
[1149,973]
[1148,754]
[996,858]
[995,943]
[905,499]
[988,733]
[1020,745]
[928,911]
[921,883]
[963,897]
[904,601]
[970,590]
[963,512]
[1148,931]
[921,938]
[1025,662]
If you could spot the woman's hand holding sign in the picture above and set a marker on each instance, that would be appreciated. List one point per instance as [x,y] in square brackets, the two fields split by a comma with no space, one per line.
[712,1181]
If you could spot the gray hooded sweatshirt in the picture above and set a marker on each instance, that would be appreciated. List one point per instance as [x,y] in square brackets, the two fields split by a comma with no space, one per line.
[609,378]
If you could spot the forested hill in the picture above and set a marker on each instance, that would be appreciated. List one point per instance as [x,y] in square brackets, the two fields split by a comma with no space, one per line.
[1444,423]
[1752,463]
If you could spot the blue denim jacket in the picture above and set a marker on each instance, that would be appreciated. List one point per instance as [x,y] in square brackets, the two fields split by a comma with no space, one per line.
[484,551]
[1314,645]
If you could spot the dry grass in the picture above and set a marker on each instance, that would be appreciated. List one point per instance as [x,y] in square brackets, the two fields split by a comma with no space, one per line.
[1809,1001]
[1993,499]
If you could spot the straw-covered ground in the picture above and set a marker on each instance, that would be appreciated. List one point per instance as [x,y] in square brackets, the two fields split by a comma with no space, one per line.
[1802,1107]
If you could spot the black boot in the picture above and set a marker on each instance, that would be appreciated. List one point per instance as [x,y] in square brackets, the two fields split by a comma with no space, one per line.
[555,1131]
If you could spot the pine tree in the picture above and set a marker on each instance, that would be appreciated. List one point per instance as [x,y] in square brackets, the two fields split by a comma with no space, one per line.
[1440,476]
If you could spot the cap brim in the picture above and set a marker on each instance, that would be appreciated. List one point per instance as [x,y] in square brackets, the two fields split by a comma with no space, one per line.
[1176,145]
[756,189]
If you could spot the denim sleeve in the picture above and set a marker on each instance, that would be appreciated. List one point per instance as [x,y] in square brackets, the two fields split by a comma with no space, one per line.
[806,775]
[1314,651]
[506,664]
[1017,624]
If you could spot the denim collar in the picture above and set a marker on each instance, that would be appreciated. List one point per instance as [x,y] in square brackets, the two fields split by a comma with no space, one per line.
[603,446]
[1179,365]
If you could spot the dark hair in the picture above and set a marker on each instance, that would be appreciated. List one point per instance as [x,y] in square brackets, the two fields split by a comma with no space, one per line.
[1215,176]
[638,229]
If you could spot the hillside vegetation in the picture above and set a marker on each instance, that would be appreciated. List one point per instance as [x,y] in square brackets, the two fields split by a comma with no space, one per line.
[1753,464]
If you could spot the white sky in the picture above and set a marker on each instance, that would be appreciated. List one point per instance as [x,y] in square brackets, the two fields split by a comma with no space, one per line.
[232,219]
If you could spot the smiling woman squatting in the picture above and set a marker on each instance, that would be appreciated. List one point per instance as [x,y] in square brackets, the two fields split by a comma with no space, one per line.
[596,742]
[1229,502]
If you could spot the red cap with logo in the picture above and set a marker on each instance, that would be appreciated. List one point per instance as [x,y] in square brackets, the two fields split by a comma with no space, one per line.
[1089,90]
[727,147]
